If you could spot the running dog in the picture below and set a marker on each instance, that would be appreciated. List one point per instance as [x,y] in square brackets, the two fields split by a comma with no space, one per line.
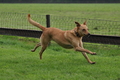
[67,39]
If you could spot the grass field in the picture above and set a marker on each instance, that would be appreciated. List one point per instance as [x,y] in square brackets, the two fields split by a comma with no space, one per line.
[18,63]
[97,11]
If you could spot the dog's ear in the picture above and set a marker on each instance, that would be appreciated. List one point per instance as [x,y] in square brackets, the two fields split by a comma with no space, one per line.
[77,24]
[85,23]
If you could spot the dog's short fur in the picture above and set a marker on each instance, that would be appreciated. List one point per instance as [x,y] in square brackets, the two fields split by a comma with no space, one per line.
[67,39]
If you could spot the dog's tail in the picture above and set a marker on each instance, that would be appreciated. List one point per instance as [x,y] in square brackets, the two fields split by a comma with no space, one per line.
[36,23]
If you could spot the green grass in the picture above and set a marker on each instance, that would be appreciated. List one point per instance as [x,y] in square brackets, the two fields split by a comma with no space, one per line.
[18,63]
[102,11]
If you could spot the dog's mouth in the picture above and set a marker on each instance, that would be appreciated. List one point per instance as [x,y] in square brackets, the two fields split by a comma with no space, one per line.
[88,35]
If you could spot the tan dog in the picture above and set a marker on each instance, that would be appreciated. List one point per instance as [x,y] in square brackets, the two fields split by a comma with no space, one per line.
[67,39]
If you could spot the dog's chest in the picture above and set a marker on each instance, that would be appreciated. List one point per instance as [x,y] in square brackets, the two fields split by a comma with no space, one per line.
[67,46]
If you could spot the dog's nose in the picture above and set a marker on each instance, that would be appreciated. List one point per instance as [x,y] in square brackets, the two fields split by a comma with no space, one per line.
[88,34]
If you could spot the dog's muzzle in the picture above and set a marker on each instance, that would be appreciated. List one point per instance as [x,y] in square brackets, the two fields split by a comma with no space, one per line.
[88,35]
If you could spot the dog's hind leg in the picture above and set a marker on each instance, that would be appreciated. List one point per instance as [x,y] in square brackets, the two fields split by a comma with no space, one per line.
[42,50]
[45,40]
[37,45]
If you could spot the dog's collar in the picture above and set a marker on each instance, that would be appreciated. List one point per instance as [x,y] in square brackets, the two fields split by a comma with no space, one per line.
[77,34]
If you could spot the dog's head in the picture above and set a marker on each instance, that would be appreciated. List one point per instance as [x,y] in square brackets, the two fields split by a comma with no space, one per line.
[81,29]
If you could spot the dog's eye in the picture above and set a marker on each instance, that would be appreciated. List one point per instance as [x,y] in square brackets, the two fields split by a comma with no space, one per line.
[83,30]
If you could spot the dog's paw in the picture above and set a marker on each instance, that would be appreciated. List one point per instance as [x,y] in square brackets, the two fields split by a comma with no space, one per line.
[92,62]
[32,50]
[93,53]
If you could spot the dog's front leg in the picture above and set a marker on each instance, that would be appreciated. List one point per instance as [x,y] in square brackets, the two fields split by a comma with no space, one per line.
[84,50]
[85,55]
